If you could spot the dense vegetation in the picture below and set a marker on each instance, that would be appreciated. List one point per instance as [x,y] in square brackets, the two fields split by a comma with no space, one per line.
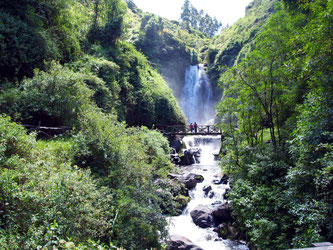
[277,114]
[77,63]
[67,63]
[234,42]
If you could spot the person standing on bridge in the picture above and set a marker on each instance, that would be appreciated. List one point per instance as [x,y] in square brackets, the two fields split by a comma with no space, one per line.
[195,127]
[191,127]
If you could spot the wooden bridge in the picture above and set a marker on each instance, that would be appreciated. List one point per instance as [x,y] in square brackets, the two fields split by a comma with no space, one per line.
[185,130]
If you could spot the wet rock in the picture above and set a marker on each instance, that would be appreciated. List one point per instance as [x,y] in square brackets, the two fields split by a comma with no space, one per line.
[190,156]
[202,216]
[180,202]
[176,242]
[176,144]
[191,180]
[222,213]
[227,231]
[173,176]
[199,178]
[224,180]
[211,194]
[207,189]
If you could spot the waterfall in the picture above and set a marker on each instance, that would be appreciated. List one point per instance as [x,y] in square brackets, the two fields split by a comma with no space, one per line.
[197,104]
[197,95]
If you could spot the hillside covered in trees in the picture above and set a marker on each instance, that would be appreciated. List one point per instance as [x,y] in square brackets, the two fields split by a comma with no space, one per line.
[102,68]
[68,63]
[276,113]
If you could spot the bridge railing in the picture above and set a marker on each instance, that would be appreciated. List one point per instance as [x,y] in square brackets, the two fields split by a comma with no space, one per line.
[185,130]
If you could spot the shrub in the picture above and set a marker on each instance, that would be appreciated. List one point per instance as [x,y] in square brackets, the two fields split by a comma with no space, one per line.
[55,98]
[40,189]
[127,160]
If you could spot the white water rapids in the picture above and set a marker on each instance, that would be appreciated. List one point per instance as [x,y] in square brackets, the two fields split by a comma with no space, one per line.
[183,225]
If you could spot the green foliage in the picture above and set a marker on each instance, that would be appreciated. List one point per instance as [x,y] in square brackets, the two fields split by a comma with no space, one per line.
[282,188]
[236,41]
[159,41]
[34,31]
[107,22]
[128,160]
[15,143]
[21,48]
[192,18]
[43,199]
[145,97]
[54,98]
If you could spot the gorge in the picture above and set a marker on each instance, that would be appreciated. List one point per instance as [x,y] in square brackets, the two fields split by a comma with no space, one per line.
[110,74]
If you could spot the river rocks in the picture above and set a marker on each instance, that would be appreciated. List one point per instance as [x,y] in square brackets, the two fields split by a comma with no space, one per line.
[180,242]
[173,195]
[222,213]
[224,180]
[227,231]
[207,189]
[180,202]
[211,194]
[215,214]
[191,180]
[190,156]
[202,216]
[187,158]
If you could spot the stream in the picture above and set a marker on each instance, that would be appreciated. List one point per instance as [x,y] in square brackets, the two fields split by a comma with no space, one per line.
[208,167]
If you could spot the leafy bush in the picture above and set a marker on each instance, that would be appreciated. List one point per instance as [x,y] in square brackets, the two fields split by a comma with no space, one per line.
[127,160]
[43,191]
[15,144]
[22,49]
[55,98]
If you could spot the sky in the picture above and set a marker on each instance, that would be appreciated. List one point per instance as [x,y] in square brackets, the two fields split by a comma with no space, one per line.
[226,11]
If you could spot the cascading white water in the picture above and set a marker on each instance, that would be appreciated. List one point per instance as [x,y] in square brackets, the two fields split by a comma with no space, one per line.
[197,95]
[183,225]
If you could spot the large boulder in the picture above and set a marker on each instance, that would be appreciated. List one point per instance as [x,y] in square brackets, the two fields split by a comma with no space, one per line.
[223,180]
[173,195]
[176,144]
[227,231]
[176,242]
[180,202]
[202,216]
[222,213]
[191,180]
[187,158]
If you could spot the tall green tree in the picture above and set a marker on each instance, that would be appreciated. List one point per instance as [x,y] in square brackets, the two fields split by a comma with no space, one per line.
[186,14]
[192,18]
[281,94]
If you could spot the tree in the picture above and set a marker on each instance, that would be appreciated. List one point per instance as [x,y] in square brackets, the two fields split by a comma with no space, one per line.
[186,14]
[261,81]
[192,18]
